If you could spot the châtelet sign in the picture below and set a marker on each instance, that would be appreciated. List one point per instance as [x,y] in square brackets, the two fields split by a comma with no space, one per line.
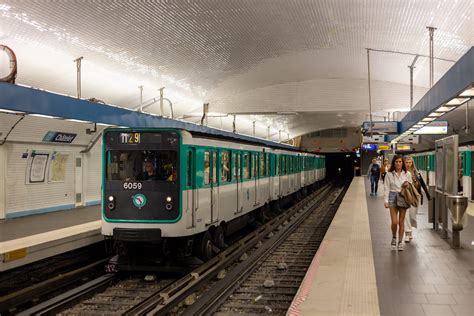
[59,137]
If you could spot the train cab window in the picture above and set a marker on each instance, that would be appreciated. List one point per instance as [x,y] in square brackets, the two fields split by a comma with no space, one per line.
[207,170]
[225,166]
[141,165]
[246,171]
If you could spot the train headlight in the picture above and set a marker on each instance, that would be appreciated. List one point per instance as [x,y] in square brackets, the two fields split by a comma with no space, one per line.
[111,204]
[169,199]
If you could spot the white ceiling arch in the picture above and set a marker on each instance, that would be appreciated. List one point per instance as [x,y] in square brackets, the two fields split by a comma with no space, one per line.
[304,56]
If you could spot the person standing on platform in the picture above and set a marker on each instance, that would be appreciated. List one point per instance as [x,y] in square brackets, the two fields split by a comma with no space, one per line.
[385,168]
[374,175]
[396,178]
[410,218]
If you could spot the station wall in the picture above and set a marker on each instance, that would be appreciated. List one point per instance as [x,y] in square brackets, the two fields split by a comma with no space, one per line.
[38,176]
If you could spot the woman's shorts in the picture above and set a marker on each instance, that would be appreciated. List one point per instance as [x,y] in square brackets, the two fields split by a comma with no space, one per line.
[391,199]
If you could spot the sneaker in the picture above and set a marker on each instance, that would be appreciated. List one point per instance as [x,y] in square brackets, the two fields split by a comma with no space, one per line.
[394,243]
[407,237]
[400,246]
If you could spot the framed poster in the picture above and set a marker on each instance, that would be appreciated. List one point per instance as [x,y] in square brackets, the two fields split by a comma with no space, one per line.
[36,168]
[57,167]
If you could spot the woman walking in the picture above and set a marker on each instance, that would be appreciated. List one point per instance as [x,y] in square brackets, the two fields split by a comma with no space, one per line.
[395,179]
[410,217]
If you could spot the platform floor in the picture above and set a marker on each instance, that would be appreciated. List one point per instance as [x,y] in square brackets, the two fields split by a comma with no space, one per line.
[428,277]
[36,224]
[355,272]
[29,239]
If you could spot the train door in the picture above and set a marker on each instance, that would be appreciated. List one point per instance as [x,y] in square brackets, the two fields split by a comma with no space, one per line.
[78,182]
[191,191]
[237,173]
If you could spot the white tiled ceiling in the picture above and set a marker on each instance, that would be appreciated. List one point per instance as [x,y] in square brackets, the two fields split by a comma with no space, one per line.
[239,55]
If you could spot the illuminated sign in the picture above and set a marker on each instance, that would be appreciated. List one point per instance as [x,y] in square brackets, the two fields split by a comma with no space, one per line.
[433,128]
[369,146]
[384,147]
[129,138]
[403,147]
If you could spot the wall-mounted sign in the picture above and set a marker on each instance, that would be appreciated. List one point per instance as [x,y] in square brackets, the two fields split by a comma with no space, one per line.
[389,127]
[402,147]
[59,137]
[384,147]
[369,146]
[373,139]
[434,128]
[411,139]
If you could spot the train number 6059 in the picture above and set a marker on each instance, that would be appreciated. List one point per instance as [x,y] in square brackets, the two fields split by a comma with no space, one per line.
[132,185]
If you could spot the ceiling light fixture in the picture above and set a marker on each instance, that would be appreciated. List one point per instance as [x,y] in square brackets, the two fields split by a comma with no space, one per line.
[436,114]
[428,119]
[445,108]
[469,92]
[457,101]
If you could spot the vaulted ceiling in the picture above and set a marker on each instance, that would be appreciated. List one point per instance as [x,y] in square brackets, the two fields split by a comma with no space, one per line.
[294,65]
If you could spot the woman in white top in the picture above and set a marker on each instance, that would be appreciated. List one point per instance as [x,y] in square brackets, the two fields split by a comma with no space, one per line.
[396,178]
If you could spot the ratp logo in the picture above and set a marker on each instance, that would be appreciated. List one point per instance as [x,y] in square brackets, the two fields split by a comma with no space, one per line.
[139,200]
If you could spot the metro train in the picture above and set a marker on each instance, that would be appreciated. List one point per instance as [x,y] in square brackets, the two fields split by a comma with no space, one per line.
[426,164]
[174,191]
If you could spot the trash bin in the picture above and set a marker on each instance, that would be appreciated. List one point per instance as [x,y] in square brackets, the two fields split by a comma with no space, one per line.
[457,205]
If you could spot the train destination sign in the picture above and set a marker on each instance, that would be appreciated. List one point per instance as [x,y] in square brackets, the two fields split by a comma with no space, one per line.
[59,137]
[129,138]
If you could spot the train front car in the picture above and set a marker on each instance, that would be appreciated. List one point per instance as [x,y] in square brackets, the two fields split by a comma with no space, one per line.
[140,192]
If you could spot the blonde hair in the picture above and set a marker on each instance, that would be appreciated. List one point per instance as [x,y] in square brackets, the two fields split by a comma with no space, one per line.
[408,158]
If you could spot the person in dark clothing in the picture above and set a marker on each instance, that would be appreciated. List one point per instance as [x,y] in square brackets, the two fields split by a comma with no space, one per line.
[374,176]
[149,173]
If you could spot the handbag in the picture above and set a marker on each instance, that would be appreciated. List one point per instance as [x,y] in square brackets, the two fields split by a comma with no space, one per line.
[400,201]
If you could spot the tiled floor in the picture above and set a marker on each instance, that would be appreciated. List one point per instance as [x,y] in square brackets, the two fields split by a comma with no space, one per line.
[37,224]
[428,277]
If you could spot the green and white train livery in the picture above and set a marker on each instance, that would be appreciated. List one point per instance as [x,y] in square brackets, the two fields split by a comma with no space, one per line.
[186,191]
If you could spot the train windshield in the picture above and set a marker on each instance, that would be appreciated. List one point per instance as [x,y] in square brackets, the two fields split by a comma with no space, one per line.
[142,165]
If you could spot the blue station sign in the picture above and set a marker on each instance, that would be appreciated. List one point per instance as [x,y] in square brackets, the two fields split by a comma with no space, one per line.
[59,137]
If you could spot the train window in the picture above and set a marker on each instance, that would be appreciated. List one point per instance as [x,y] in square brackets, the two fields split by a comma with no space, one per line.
[238,169]
[214,167]
[246,159]
[267,163]
[225,166]
[277,165]
[262,165]
[141,165]
[189,174]
[234,175]
[254,165]
[207,170]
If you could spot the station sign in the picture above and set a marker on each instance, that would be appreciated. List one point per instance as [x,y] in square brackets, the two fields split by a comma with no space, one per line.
[434,128]
[385,127]
[373,139]
[403,147]
[411,139]
[59,137]
[384,147]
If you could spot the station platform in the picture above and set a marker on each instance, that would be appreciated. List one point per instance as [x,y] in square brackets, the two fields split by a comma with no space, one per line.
[355,271]
[28,239]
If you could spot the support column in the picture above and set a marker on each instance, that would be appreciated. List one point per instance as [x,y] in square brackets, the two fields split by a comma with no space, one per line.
[3,181]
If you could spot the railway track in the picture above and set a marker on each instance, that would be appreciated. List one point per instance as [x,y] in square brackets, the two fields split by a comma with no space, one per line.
[115,295]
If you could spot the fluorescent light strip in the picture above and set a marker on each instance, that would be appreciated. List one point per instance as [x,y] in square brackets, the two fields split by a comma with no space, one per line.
[428,119]
[10,111]
[457,101]
[445,108]
[436,114]
[44,116]
[469,92]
